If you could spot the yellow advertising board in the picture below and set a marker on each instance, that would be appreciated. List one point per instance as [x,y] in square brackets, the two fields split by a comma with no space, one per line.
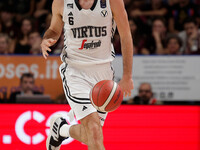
[46,73]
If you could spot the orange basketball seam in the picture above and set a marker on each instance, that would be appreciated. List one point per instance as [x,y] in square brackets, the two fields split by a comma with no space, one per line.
[116,105]
[113,88]
[107,96]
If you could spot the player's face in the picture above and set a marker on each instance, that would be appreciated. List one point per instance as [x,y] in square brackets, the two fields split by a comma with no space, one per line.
[190,28]
[27,84]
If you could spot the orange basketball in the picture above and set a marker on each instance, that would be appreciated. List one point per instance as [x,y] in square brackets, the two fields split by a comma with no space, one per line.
[106,96]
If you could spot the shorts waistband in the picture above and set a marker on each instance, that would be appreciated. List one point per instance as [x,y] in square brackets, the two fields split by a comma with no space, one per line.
[98,67]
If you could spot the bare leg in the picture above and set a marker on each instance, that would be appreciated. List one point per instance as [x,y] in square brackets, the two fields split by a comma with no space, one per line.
[78,132]
[89,132]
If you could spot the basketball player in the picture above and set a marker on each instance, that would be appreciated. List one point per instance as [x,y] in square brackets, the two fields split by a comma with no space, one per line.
[87,56]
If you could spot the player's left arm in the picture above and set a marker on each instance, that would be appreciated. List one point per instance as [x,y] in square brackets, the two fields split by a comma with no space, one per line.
[121,19]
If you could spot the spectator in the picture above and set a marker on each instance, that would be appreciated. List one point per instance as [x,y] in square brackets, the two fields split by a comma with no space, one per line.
[136,6]
[40,9]
[128,5]
[0,25]
[145,95]
[138,38]
[172,2]
[137,35]
[9,4]
[7,21]
[45,24]
[147,13]
[154,9]
[173,45]
[2,3]
[42,14]
[197,2]
[22,46]
[23,8]
[34,41]
[26,87]
[190,37]
[155,42]
[179,13]
[4,43]
[48,5]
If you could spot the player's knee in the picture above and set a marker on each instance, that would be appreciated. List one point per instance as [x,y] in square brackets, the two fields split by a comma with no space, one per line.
[93,127]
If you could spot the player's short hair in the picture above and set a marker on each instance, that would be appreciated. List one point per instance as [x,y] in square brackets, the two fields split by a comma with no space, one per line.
[28,75]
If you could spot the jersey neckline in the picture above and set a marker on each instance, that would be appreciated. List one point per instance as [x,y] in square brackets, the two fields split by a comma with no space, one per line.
[80,8]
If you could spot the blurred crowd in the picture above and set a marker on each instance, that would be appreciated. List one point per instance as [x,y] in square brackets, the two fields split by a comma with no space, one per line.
[163,27]
[22,25]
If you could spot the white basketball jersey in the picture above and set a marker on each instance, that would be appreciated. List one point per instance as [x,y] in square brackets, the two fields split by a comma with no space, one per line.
[88,33]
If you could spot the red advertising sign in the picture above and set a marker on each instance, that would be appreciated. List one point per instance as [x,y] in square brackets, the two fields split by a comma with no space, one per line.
[25,127]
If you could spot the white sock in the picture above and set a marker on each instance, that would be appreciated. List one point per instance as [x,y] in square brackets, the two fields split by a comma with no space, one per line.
[64,130]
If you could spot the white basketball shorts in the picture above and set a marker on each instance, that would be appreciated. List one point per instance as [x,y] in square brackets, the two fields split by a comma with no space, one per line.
[77,83]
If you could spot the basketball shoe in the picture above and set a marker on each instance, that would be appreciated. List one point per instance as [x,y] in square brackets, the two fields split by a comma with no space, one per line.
[54,139]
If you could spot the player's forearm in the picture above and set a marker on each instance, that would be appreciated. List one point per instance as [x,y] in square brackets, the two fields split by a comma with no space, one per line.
[51,34]
[127,53]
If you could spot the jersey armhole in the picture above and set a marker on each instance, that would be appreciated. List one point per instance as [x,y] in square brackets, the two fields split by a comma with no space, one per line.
[64,10]
[109,6]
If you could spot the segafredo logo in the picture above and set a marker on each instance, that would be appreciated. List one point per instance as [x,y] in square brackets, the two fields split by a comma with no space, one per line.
[39,118]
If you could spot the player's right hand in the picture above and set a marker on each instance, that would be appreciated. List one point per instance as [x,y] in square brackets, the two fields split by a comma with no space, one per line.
[46,43]
[126,85]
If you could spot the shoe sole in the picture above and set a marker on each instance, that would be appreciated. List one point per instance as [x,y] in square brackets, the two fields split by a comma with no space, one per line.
[48,141]
[53,119]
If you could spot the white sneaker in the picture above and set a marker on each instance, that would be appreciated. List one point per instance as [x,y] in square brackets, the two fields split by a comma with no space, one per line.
[54,140]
